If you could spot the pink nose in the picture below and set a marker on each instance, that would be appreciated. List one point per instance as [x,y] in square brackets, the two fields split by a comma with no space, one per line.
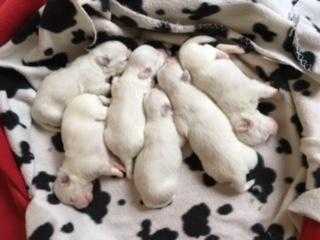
[82,202]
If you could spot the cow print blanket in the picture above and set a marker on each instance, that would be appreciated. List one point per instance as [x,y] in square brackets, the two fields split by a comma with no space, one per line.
[281,40]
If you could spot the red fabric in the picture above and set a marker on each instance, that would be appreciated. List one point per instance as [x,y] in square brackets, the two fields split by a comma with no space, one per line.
[310,230]
[13,13]
[13,195]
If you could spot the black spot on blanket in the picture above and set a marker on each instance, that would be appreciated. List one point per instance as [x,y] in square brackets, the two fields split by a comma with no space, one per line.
[57,61]
[155,44]
[213,30]
[91,11]
[296,121]
[204,10]
[305,58]
[52,199]
[266,107]
[288,180]
[43,232]
[251,36]
[25,155]
[300,188]
[208,181]
[274,232]
[11,81]
[127,21]
[105,5]
[261,73]
[304,161]
[79,36]
[282,75]
[284,146]
[42,180]
[302,86]
[195,221]
[58,16]
[48,52]
[212,237]
[10,120]
[163,27]
[161,234]
[135,5]
[103,37]
[67,228]
[57,142]
[264,178]
[121,202]
[193,163]
[316,175]
[97,209]
[244,43]
[264,32]
[225,209]
[27,30]
[160,12]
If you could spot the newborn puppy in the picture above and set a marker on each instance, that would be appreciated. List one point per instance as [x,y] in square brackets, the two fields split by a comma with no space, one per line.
[126,121]
[86,156]
[157,165]
[87,74]
[208,130]
[238,96]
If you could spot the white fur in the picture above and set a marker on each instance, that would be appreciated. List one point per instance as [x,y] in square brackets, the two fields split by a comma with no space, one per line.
[157,165]
[208,130]
[87,74]
[126,121]
[238,96]
[86,156]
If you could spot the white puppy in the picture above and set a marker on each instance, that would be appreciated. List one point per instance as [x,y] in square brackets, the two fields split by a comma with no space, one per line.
[86,156]
[157,165]
[238,96]
[208,130]
[126,121]
[87,74]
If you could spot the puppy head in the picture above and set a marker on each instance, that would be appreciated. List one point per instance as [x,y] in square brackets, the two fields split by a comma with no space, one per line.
[198,55]
[147,60]
[72,190]
[157,104]
[87,106]
[112,56]
[171,74]
[255,129]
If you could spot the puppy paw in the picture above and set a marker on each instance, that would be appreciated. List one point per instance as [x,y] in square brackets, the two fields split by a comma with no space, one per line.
[118,170]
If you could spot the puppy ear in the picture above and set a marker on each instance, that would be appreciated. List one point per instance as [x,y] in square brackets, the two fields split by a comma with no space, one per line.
[166,109]
[186,77]
[103,61]
[145,73]
[64,179]
[244,125]
[222,55]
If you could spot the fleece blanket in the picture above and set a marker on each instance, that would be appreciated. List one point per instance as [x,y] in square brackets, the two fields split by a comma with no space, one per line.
[281,43]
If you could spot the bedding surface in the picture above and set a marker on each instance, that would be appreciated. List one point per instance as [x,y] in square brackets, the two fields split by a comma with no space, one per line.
[281,43]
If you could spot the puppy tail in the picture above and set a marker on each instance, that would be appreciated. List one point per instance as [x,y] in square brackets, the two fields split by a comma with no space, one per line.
[128,162]
[242,185]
